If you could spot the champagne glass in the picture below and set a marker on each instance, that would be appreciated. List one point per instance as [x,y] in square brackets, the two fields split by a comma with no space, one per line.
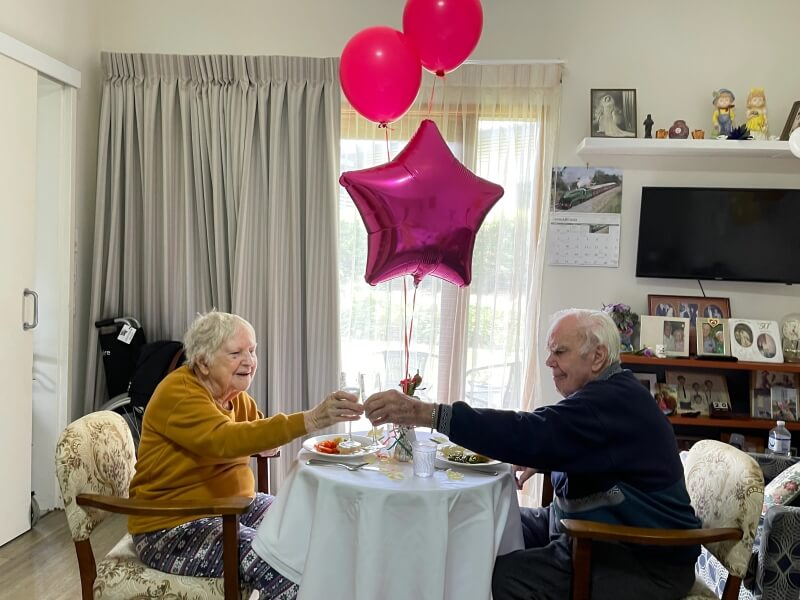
[349,443]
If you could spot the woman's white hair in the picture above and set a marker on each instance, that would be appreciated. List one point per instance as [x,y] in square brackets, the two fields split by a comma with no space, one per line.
[208,333]
[596,327]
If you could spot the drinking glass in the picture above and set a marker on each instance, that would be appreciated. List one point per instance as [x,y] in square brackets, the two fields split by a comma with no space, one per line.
[423,453]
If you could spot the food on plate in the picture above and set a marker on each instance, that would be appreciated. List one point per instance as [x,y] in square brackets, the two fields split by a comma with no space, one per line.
[460,454]
[329,446]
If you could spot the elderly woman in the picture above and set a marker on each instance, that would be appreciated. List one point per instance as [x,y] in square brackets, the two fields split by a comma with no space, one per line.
[199,430]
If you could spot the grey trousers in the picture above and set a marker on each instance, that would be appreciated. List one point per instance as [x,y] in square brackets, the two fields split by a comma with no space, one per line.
[543,571]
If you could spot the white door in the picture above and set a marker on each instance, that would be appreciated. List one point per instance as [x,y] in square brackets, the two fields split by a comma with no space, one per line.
[18,92]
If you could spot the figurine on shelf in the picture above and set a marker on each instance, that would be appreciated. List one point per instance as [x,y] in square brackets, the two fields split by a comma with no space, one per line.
[757,113]
[698,134]
[661,134]
[679,130]
[648,126]
[723,116]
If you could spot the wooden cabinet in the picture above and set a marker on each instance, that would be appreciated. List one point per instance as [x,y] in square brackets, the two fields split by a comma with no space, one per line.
[738,376]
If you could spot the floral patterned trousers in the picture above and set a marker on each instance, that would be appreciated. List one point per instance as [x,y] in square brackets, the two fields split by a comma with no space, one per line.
[195,548]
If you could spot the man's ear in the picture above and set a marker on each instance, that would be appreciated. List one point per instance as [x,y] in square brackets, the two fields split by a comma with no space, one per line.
[599,358]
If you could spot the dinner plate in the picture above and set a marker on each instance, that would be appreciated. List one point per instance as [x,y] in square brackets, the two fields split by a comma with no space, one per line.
[367,445]
[443,459]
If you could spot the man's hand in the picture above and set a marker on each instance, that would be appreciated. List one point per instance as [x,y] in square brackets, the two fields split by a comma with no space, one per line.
[522,474]
[395,407]
[337,407]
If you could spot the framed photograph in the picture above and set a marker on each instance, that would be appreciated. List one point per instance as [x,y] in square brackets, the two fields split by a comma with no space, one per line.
[756,341]
[699,392]
[670,332]
[783,402]
[667,398]
[762,382]
[613,113]
[648,380]
[792,122]
[712,337]
[691,307]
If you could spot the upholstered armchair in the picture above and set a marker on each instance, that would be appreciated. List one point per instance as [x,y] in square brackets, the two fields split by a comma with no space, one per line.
[95,461]
[773,570]
[726,488]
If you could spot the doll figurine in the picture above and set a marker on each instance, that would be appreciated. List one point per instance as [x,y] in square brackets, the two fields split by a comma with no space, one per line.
[723,113]
[757,113]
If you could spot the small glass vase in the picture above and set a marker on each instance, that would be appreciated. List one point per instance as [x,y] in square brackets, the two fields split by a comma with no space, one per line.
[626,342]
[402,448]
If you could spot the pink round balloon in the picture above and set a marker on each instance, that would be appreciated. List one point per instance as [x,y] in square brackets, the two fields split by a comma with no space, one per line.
[380,73]
[445,32]
[421,210]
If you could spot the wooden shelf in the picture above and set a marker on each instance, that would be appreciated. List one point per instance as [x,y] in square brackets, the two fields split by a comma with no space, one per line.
[695,363]
[590,148]
[735,422]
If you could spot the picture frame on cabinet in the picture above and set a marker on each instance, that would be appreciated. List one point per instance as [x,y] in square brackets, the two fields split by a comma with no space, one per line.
[699,391]
[712,336]
[792,121]
[691,307]
[670,332]
[762,382]
[783,402]
[755,340]
[613,113]
[648,380]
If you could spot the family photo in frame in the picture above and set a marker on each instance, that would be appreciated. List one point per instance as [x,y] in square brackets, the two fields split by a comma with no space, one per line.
[712,337]
[613,113]
[774,395]
[698,392]
[755,340]
[670,333]
[690,307]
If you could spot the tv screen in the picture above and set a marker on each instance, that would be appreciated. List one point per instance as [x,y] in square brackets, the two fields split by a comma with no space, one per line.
[719,233]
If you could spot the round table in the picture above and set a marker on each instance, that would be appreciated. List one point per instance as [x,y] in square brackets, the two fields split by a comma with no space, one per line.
[362,535]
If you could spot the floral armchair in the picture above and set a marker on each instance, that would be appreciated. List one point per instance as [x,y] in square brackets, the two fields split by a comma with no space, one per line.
[773,570]
[95,462]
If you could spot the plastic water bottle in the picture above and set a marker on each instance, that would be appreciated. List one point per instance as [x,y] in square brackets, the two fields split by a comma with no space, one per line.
[780,440]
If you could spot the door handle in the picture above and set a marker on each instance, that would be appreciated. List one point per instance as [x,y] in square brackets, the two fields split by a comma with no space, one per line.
[25,325]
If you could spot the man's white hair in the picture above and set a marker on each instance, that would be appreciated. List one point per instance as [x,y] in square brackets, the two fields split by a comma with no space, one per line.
[596,327]
[208,333]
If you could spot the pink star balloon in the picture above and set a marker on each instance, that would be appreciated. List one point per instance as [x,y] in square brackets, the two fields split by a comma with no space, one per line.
[421,210]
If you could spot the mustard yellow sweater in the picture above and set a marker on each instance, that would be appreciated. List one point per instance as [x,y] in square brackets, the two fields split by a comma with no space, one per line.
[192,449]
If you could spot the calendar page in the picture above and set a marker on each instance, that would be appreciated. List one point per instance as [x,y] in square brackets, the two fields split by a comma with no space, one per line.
[584,226]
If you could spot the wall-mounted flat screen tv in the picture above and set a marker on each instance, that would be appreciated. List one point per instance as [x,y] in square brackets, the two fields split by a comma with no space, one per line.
[719,233]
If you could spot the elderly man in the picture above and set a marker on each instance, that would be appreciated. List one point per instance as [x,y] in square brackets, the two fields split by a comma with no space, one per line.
[613,458]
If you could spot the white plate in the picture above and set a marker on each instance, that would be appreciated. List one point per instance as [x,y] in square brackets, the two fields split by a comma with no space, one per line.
[367,445]
[441,458]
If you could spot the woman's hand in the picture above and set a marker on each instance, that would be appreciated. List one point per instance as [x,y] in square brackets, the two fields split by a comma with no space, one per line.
[337,407]
[395,407]
[525,473]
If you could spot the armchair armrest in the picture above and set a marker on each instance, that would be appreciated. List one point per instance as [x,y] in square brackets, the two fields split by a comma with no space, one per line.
[592,530]
[233,505]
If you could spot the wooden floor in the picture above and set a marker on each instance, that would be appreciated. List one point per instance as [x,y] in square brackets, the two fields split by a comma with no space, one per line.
[41,563]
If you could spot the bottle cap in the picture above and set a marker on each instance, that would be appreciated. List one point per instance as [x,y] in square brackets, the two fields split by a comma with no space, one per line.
[781,423]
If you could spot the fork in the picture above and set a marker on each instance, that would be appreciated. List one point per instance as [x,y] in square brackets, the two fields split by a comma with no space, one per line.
[318,462]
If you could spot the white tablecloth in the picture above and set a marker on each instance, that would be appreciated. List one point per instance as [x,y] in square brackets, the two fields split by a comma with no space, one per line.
[361,536]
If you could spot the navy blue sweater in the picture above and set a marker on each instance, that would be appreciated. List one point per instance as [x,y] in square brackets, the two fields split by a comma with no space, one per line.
[611,451]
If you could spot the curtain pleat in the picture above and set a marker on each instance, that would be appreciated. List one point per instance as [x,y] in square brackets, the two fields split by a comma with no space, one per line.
[216,188]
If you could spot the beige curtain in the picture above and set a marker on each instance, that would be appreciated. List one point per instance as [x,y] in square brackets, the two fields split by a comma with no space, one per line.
[216,188]
[501,121]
